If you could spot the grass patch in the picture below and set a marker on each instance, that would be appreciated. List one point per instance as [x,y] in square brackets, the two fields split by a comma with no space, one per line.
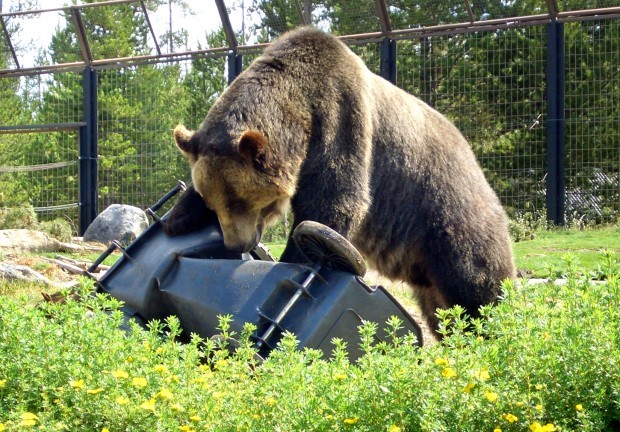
[545,254]
[18,288]
[276,249]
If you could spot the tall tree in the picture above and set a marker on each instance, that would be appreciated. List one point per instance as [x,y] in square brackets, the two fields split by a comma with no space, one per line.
[136,105]
[15,109]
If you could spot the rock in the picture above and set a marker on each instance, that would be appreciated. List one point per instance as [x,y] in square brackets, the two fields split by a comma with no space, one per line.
[10,271]
[16,241]
[118,222]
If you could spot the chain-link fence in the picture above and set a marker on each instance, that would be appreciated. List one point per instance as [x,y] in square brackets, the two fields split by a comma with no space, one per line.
[106,84]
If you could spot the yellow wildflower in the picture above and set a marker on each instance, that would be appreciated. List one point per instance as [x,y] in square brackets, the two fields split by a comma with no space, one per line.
[120,374]
[539,386]
[339,377]
[164,393]
[537,427]
[148,405]
[177,407]
[270,401]
[538,407]
[579,407]
[172,378]
[351,421]
[394,428]
[448,372]
[195,418]
[79,384]
[139,382]
[468,387]
[497,430]
[491,396]
[186,428]
[105,430]
[2,427]
[121,400]
[2,383]
[441,361]
[510,418]
[160,368]
[94,391]
[483,374]
[28,419]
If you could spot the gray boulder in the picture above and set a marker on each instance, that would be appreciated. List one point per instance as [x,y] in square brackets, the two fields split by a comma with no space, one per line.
[118,222]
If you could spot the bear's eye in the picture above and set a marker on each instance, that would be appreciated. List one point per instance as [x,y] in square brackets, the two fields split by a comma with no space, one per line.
[237,206]
[271,208]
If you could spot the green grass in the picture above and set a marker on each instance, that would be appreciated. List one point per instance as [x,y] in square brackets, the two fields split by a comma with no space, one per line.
[544,256]
[276,249]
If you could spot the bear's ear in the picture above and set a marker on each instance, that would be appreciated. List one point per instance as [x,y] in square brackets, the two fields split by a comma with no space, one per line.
[182,138]
[254,149]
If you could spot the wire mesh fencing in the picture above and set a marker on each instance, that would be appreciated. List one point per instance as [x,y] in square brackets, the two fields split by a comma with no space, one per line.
[592,51]
[492,81]
[495,94]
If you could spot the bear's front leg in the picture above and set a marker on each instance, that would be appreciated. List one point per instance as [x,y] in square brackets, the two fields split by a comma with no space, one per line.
[343,212]
[188,215]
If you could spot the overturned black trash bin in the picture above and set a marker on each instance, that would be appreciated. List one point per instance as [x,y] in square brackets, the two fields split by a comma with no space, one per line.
[194,277]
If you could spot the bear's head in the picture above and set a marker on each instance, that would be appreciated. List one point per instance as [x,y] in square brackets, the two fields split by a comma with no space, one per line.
[240,181]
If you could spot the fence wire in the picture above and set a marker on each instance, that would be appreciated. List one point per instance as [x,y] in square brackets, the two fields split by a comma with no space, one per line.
[492,84]
[495,94]
[592,120]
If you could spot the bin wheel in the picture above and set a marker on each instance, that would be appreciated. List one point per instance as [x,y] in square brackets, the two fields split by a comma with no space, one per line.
[319,242]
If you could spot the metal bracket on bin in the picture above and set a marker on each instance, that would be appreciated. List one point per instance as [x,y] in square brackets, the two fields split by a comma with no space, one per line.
[114,244]
[181,186]
[302,289]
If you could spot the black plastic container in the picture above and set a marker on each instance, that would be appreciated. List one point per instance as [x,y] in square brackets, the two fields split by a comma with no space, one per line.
[194,277]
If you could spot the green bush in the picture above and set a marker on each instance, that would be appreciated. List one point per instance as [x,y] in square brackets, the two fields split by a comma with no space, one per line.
[545,359]
[525,226]
[60,229]
[18,218]
[26,218]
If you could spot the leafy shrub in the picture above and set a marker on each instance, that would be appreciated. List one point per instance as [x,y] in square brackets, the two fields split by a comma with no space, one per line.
[26,218]
[524,226]
[18,217]
[57,228]
[544,359]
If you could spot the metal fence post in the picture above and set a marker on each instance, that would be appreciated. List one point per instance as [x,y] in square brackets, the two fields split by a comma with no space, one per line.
[555,123]
[235,66]
[88,193]
[388,59]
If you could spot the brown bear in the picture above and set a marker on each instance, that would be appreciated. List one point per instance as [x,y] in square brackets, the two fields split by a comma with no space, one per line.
[307,124]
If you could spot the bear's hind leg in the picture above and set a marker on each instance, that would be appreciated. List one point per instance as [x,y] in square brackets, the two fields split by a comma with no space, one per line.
[430,298]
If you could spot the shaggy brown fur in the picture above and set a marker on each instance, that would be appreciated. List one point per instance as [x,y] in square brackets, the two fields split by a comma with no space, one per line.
[308,124]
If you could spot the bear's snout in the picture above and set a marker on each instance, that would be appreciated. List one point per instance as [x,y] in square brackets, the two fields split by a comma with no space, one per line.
[241,238]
